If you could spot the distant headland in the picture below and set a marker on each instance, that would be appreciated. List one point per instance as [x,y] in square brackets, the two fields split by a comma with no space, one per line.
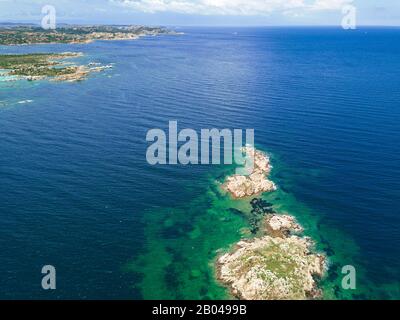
[26,35]
[52,66]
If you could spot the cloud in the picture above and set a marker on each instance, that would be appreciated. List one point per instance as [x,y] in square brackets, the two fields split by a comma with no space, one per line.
[231,7]
[329,4]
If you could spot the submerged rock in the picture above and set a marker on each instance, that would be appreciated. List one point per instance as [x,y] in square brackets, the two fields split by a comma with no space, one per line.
[261,207]
[270,268]
[241,186]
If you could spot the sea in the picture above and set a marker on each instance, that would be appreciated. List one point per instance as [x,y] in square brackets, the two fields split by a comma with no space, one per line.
[77,193]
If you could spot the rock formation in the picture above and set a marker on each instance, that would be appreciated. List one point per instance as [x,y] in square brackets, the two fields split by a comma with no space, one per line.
[278,265]
[270,268]
[241,186]
[281,225]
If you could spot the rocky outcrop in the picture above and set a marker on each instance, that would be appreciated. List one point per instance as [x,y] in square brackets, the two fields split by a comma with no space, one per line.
[26,35]
[281,225]
[270,268]
[241,186]
[279,264]
[79,73]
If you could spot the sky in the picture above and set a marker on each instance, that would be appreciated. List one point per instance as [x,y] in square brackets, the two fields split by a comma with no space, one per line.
[204,12]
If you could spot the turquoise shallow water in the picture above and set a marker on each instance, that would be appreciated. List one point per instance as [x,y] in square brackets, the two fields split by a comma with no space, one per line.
[76,190]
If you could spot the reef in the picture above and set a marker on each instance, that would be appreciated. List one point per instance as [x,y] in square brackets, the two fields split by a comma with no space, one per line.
[279,264]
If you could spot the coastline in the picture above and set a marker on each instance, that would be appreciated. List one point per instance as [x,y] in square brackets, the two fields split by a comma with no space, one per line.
[51,66]
[46,66]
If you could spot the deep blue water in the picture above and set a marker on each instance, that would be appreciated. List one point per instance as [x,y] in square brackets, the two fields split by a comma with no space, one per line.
[75,184]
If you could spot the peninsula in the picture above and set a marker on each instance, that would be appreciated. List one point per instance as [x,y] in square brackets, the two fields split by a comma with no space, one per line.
[39,66]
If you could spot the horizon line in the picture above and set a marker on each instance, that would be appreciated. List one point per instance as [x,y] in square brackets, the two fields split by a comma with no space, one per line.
[205,25]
